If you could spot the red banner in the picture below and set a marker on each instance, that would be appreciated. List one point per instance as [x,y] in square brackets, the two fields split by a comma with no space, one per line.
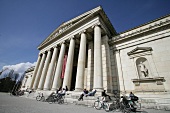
[64,66]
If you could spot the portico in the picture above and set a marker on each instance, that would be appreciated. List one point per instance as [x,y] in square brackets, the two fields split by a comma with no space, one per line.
[72,55]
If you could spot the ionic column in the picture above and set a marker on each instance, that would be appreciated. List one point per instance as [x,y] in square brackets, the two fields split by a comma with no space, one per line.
[39,71]
[51,69]
[44,72]
[98,76]
[69,65]
[57,79]
[81,64]
[35,71]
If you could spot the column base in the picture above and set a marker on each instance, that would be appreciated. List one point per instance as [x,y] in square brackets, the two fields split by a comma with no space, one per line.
[53,89]
[99,89]
[38,89]
[78,89]
[46,89]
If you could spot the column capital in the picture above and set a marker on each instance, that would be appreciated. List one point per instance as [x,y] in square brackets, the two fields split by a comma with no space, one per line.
[97,24]
[63,42]
[56,46]
[72,37]
[49,50]
[39,54]
[83,31]
[117,50]
[43,52]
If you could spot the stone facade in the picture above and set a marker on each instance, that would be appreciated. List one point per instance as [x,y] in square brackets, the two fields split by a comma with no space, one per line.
[26,82]
[87,52]
[143,57]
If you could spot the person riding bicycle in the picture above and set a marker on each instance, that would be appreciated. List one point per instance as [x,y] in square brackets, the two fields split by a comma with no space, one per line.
[133,97]
[105,95]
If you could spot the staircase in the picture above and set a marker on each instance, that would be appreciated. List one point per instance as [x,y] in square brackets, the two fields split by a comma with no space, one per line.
[147,101]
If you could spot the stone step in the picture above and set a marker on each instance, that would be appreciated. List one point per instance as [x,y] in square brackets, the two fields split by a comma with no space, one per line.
[156,103]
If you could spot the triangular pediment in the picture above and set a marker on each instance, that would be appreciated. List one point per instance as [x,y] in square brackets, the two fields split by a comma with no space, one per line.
[139,50]
[66,25]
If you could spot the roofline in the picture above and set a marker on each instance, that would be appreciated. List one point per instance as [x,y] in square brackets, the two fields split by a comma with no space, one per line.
[145,23]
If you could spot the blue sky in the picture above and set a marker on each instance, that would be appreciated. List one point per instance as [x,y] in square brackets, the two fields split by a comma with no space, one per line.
[24,24]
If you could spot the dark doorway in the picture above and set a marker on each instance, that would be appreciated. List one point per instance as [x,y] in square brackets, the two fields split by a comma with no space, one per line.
[74,71]
[73,80]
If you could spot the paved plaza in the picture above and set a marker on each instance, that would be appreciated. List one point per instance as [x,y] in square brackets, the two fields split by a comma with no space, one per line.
[13,104]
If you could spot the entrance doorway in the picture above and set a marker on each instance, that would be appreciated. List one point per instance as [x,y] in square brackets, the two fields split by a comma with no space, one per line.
[73,80]
[74,70]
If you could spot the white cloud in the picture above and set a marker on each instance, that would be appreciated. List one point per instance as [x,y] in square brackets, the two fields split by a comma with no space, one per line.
[21,67]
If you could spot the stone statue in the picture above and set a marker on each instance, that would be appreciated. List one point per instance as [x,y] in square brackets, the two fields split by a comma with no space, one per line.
[143,69]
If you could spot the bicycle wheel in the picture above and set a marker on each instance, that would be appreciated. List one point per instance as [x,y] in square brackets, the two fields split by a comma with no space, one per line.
[106,107]
[61,101]
[43,99]
[38,98]
[126,110]
[116,107]
[97,105]
[50,100]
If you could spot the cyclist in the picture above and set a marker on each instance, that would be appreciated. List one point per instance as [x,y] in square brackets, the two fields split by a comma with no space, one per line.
[105,95]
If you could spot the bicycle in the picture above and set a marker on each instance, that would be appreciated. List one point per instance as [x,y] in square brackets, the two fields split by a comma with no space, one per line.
[55,98]
[101,104]
[118,105]
[40,97]
[61,99]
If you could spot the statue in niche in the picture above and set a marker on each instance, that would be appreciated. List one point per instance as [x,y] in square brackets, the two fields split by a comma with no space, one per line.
[143,69]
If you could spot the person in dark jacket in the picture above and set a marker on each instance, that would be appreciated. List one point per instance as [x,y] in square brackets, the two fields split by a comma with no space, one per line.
[105,95]
[85,92]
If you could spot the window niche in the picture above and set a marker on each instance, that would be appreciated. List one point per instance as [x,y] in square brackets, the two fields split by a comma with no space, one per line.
[145,81]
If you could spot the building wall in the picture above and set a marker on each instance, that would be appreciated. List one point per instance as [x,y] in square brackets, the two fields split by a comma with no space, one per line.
[27,80]
[158,61]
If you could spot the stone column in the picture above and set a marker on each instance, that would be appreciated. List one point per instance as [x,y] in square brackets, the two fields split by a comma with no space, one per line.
[51,70]
[39,71]
[57,78]
[35,71]
[69,65]
[120,71]
[98,76]
[44,72]
[90,66]
[81,64]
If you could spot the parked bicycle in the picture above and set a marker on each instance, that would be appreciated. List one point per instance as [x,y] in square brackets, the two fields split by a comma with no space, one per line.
[55,98]
[128,104]
[40,97]
[118,105]
[99,104]
[17,93]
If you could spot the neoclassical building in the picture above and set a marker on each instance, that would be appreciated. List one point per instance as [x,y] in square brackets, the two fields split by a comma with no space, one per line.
[87,52]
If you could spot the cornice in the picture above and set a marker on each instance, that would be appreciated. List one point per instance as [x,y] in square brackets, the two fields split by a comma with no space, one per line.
[165,22]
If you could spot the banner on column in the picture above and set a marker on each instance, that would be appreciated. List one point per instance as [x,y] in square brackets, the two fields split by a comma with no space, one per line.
[64,66]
